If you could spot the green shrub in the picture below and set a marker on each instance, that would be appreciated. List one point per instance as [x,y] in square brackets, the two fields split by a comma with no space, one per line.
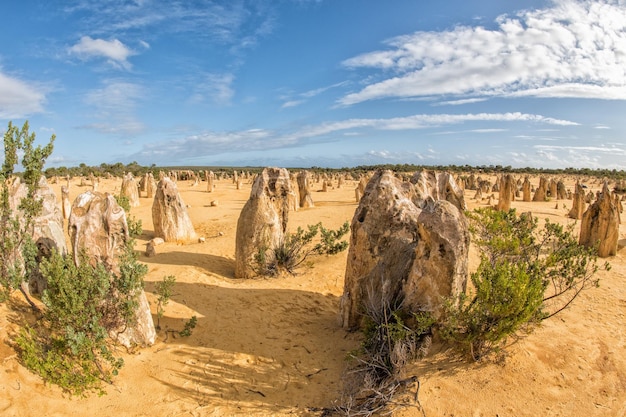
[189,326]
[294,248]
[135,227]
[525,275]
[16,246]
[70,347]
[164,292]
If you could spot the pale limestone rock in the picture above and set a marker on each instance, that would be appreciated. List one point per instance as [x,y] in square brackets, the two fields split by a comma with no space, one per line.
[600,224]
[578,203]
[98,228]
[130,190]
[526,190]
[438,186]
[169,214]
[304,189]
[507,193]
[66,206]
[263,220]
[541,193]
[403,248]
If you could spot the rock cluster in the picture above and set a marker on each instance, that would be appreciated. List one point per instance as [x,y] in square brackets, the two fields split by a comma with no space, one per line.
[405,246]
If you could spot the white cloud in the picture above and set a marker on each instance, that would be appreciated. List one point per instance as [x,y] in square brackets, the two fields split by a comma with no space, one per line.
[19,99]
[213,143]
[115,106]
[571,49]
[304,97]
[216,88]
[459,102]
[114,51]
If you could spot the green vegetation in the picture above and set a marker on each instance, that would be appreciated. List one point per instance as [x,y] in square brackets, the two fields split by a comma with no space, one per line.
[294,249]
[189,326]
[135,227]
[17,250]
[70,346]
[526,274]
[164,292]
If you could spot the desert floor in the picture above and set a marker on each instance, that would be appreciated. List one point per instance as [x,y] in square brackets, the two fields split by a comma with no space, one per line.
[273,347]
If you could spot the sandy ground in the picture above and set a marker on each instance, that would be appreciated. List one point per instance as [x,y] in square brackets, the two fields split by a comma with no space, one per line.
[273,347]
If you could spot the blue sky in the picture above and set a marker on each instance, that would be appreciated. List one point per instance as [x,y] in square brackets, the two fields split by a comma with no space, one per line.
[333,83]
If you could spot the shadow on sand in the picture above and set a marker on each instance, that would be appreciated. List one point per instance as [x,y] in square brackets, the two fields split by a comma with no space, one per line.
[262,349]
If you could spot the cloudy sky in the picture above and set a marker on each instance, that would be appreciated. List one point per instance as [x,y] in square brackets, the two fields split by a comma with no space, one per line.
[336,83]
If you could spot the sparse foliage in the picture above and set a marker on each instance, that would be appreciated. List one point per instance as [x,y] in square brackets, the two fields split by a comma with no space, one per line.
[164,292]
[189,326]
[16,246]
[294,248]
[135,227]
[392,337]
[70,347]
[526,275]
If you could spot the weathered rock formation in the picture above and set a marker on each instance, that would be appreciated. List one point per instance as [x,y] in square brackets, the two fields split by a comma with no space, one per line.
[210,181]
[98,228]
[552,188]
[526,193]
[47,227]
[169,214]
[66,206]
[438,186]
[578,203]
[600,224]
[507,192]
[561,191]
[263,220]
[304,190]
[403,249]
[541,193]
[130,190]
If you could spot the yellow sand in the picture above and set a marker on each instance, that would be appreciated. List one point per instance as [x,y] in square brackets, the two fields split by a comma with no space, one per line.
[273,347]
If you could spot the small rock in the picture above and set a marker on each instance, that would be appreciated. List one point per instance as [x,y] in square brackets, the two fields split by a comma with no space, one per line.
[214,203]
[201,240]
[150,251]
[157,241]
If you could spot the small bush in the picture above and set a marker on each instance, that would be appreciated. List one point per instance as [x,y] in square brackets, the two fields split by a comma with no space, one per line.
[70,347]
[294,248]
[135,227]
[392,337]
[189,326]
[164,292]
[526,275]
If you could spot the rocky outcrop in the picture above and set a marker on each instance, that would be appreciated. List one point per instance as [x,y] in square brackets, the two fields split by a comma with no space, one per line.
[263,220]
[438,186]
[403,249]
[169,214]
[600,224]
